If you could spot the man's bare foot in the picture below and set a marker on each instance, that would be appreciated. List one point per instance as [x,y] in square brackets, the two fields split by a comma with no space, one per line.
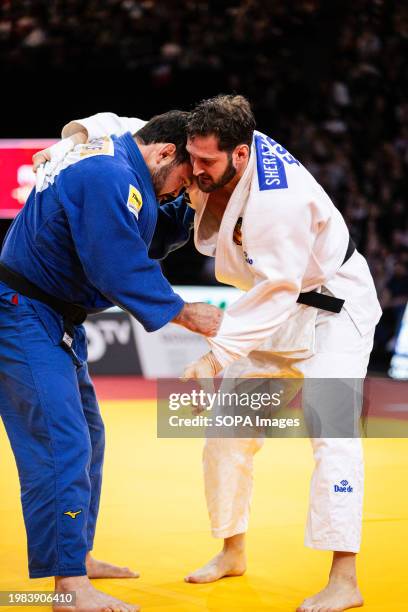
[340,594]
[226,563]
[230,561]
[88,599]
[100,569]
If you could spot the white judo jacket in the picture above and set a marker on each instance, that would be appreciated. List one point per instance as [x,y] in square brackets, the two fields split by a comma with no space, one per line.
[293,240]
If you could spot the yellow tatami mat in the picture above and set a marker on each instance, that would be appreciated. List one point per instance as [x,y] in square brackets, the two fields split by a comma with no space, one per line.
[153,518]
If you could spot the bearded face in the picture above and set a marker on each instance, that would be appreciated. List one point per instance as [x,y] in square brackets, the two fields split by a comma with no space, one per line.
[209,183]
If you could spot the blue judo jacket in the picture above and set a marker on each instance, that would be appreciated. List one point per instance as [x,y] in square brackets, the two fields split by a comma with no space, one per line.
[84,235]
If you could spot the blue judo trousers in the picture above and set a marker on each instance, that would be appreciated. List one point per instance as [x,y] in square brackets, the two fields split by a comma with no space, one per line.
[83,236]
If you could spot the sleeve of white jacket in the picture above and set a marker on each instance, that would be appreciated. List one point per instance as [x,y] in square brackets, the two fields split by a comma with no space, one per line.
[103,124]
[279,250]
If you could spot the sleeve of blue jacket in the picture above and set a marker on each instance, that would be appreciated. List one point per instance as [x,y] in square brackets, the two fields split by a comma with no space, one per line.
[112,251]
[174,223]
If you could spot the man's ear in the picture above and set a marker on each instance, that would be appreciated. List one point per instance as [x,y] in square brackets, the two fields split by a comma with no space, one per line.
[166,151]
[241,153]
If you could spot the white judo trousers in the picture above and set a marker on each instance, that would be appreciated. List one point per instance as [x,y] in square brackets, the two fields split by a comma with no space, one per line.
[334,519]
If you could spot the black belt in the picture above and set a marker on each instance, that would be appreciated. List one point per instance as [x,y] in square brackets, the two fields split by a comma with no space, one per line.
[75,315]
[322,301]
[72,314]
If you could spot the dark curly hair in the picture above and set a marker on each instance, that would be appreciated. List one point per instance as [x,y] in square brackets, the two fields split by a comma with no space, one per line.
[168,127]
[228,117]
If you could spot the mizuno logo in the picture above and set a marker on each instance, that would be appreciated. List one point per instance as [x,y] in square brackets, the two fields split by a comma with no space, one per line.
[73,515]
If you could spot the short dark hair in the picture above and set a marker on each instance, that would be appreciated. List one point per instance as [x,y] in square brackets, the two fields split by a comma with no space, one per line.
[168,127]
[228,117]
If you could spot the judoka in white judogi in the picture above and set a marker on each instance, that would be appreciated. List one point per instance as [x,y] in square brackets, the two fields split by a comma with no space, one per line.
[293,240]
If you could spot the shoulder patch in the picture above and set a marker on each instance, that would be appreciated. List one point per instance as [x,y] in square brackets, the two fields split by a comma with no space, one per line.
[134,201]
[271,169]
[99,146]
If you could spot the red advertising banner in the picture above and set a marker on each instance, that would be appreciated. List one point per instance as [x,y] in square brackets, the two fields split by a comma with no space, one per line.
[16,174]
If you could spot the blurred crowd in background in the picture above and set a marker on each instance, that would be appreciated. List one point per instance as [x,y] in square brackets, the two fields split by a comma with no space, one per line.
[326,78]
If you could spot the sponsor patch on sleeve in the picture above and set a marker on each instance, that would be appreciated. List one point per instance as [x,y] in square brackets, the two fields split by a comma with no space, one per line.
[271,169]
[134,201]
